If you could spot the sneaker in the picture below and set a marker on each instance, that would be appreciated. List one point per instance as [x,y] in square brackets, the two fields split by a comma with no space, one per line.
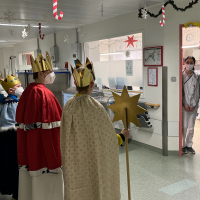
[184,150]
[190,149]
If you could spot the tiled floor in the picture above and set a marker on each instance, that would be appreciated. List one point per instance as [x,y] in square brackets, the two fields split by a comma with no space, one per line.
[151,172]
[154,177]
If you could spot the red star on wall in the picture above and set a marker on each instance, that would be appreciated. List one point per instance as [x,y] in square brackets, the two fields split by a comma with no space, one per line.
[130,41]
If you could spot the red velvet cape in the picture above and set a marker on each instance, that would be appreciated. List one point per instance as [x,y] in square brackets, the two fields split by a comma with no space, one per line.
[38,148]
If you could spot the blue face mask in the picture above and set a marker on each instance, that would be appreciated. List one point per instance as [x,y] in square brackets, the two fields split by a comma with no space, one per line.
[189,67]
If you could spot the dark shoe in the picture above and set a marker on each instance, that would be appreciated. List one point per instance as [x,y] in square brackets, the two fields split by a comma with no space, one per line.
[184,150]
[190,149]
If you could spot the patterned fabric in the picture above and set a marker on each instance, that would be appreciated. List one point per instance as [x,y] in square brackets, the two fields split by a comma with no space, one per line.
[38,125]
[90,163]
[7,114]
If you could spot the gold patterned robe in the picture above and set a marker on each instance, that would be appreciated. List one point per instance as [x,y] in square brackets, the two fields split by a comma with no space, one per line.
[90,152]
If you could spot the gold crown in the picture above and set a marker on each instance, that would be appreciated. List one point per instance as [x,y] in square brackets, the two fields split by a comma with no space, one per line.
[41,64]
[10,82]
[83,80]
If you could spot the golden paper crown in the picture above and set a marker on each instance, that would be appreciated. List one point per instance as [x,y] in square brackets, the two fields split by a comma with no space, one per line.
[41,64]
[83,80]
[10,82]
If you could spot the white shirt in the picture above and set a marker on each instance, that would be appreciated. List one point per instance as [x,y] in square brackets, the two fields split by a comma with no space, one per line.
[191,89]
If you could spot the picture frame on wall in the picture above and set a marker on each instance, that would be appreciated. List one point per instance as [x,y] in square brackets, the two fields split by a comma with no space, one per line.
[153,56]
[152,78]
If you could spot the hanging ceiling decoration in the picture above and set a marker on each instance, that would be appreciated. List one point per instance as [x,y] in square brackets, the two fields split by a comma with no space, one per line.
[66,39]
[128,53]
[55,11]
[189,24]
[130,41]
[171,2]
[9,16]
[28,28]
[24,34]
[144,12]
[41,36]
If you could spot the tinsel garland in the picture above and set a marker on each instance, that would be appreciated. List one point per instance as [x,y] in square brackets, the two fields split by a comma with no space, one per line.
[171,2]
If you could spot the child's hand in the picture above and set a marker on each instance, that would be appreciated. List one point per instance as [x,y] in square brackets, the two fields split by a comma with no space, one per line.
[126,133]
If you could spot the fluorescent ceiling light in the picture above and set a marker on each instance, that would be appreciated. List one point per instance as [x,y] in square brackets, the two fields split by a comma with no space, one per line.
[3,41]
[103,54]
[20,25]
[184,47]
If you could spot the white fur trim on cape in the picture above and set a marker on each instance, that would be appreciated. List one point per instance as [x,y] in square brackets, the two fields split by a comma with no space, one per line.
[2,129]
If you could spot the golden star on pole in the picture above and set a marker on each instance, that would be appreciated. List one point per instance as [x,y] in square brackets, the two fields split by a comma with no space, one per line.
[124,101]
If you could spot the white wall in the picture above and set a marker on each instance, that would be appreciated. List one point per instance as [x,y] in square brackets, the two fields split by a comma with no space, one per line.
[153,35]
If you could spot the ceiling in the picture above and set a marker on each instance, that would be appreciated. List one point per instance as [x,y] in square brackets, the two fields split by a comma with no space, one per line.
[76,13]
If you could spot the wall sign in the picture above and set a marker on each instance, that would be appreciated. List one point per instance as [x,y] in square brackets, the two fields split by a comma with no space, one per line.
[129,68]
[153,56]
[152,76]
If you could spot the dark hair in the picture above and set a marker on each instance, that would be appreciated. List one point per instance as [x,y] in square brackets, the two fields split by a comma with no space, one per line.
[35,75]
[82,89]
[190,57]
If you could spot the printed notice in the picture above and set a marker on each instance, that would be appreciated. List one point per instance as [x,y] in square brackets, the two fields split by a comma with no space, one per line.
[129,68]
[152,77]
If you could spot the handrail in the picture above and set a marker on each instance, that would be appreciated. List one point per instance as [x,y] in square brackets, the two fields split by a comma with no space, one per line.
[152,105]
[116,90]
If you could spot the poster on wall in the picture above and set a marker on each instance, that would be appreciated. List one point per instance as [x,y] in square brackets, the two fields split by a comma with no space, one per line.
[153,56]
[152,76]
[129,68]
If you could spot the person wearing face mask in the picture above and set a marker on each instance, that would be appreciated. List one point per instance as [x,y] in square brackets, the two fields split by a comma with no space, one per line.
[38,119]
[191,96]
[8,136]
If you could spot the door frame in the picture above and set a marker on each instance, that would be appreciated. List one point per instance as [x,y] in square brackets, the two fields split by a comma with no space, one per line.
[180,86]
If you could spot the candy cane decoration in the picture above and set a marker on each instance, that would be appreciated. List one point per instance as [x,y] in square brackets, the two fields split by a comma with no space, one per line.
[163,13]
[55,11]
[41,37]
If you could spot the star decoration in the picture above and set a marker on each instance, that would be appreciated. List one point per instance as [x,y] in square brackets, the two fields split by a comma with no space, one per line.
[11,32]
[24,33]
[9,16]
[124,101]
[144,12]
[47,18]
[130,41]
[66,39]
[28,28]
[128,53]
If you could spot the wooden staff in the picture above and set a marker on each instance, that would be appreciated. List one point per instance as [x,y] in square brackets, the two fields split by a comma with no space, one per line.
[127,156]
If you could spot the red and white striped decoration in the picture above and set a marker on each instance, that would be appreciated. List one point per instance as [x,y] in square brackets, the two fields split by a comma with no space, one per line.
[41,37]
[55,11]
[163,13]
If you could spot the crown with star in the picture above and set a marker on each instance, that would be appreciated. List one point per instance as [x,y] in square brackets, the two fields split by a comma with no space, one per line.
[10,82]
[40,63]
[83,79]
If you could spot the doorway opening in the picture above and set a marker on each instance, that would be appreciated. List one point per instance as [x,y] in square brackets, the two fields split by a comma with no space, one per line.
[189,46]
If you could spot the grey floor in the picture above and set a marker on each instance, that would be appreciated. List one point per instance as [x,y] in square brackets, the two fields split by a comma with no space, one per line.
[150,172]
